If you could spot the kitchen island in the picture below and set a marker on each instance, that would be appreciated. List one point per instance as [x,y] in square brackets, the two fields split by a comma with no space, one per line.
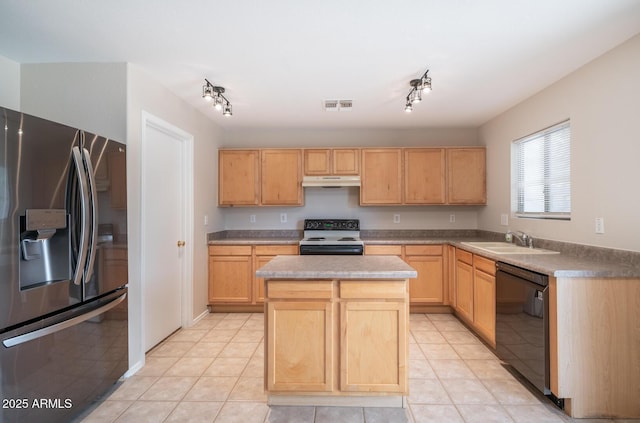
[336,330]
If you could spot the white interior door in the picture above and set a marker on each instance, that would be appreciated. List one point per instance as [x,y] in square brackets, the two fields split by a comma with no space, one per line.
[164,235]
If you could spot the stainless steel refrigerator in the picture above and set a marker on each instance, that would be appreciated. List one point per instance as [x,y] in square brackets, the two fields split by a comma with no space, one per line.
[63,268]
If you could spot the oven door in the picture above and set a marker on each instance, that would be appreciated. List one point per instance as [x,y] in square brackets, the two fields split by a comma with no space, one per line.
[348,249]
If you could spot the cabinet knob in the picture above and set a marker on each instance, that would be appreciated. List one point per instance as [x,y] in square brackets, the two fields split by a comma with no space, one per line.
[181,243]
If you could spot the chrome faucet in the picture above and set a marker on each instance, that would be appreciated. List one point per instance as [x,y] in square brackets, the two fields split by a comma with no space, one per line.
[525,240]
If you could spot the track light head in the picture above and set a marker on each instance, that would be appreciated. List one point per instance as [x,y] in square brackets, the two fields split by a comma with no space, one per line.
[214,93]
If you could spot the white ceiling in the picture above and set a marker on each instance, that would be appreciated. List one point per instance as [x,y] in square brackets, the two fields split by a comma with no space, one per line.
[279,59]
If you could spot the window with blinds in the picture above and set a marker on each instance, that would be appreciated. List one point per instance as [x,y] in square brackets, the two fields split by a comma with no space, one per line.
[541,174]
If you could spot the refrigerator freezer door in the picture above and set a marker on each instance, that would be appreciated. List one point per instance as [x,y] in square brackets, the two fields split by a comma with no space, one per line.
[55,376]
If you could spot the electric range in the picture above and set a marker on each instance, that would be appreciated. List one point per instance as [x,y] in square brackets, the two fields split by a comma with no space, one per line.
[331,237]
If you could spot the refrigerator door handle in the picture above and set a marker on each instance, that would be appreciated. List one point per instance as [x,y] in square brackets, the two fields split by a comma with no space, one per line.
[93,220]
[39,333]
[84,200]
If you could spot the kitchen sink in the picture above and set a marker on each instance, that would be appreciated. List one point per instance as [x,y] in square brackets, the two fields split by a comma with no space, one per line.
[507,248]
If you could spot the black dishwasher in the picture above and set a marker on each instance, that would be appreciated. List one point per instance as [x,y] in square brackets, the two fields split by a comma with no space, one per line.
[522,326]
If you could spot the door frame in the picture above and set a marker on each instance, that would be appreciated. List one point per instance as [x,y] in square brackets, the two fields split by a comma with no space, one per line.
[187,141]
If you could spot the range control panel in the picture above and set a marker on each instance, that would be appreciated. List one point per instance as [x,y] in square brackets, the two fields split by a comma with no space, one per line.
[331,225]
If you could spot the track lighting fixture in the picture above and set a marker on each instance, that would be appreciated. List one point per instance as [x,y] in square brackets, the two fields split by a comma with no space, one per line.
[418,87]
[214,94]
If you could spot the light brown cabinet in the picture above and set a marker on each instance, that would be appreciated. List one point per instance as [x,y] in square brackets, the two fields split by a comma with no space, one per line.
[369,316]
[230,274]
[299,339]
[475,300]
[281,177]
[307,320]
[464,285]
[232,280]
[381,177]
[484,298]
[238,177]
[428,260]
[424,176]
[269,177]
[466,175]
[332,161]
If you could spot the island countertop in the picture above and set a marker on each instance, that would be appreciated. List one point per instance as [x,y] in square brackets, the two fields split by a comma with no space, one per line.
[336,267]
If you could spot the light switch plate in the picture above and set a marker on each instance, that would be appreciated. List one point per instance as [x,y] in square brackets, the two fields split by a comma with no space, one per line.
[599,225]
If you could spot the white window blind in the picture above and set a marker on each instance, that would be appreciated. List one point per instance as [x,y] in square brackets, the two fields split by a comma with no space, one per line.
[541,174]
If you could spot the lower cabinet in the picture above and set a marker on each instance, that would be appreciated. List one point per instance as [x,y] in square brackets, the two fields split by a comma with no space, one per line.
[232,268]
[300,344]
[475,300]
[346,337]
[230,274]
[429,287]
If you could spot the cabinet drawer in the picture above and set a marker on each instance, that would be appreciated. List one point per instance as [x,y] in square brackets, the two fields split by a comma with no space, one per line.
[230,250]
[373,289]
[296,289]
[274,250]
[423,250]
[383,250]
[484,264]
[464,256]
[114,253]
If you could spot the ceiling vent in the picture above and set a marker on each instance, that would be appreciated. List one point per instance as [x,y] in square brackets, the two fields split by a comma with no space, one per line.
[337,105]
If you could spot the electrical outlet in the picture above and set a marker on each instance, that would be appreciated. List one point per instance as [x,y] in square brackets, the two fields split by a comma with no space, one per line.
[396,218]
[599,225]
[504,219]
[452,218]
[206,220]
[252,218]
[283,218]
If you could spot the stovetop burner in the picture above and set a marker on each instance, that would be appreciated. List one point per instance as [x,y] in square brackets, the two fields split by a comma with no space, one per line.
[347,238]
[316,238]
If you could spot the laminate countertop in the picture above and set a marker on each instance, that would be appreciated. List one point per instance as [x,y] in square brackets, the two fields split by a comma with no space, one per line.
[574,260]
[336,267]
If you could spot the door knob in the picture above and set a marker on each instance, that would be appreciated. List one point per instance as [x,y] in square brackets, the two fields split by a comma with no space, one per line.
[181,243]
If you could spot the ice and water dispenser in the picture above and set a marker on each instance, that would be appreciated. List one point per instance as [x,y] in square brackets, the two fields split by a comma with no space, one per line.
[44,247]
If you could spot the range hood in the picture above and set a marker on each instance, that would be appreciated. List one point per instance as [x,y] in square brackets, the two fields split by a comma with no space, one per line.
[331,181]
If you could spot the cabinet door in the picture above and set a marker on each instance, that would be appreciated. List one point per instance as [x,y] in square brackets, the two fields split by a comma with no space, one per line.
[466,176]
[373,353]
[281,177]
[484,305]
[317,161]
[263,254]
[424,176]
[428,287]
[238,172]
[230,279]
[381,181]
[346,161]
[299,346]
[464,290]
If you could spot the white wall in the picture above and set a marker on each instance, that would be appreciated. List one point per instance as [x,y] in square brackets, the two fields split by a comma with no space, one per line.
[344,202]
[89,96]
[10,86]
[144,94]
[602,99]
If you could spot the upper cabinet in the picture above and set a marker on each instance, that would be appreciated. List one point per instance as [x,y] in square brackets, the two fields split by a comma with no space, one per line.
[331,161]
[281,176]
[424,176]
[389,176]
[238,173]
[466,175]
[381,176]
[270,177]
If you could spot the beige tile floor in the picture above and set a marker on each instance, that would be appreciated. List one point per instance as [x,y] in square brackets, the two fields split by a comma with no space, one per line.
[213,372]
